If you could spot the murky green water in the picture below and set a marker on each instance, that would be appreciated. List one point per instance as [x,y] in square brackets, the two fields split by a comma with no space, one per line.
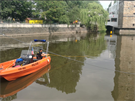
[91,68]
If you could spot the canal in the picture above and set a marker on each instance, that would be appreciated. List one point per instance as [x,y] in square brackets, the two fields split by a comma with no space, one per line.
[84,68]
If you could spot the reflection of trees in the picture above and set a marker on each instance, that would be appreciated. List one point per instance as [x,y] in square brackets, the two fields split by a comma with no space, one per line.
[9,98]
[10,54]
[93,46]
[65,73]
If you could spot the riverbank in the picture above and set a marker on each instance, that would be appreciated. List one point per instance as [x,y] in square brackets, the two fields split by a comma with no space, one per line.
[38,29]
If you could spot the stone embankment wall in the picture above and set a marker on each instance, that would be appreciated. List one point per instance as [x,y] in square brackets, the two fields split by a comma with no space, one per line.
[38,29]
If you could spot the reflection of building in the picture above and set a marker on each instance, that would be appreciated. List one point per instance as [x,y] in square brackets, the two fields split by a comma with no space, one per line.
[124,89]
[111,45]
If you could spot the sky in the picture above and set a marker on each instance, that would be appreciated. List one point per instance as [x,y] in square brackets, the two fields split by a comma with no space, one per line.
[105,4]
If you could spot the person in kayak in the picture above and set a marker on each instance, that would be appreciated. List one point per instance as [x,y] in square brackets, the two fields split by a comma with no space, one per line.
[40,54]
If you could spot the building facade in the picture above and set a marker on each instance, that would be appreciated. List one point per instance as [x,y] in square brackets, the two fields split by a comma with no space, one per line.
[122,15]
[126,15]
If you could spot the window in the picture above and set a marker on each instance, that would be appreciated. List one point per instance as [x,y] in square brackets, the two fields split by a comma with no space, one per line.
[134,13]
[108,20]
[133,24]
[113,19]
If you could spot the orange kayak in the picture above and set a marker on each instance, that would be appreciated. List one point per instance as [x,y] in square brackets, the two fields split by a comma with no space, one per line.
[10,73]
[11,88]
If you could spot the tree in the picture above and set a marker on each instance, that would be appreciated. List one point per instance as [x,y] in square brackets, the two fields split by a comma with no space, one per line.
[85,3]
[109,6]
[52,10]
[114,1]
[74,8]
[94,14]
[73,14]
[64,19]
[18,9]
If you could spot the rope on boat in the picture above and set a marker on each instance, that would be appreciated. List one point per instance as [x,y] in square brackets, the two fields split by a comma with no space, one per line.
[68,57]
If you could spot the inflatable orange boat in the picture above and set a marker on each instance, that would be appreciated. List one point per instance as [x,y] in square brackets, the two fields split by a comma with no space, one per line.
[10,72]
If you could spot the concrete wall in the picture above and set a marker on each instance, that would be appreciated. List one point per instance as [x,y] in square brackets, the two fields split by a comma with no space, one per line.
[38,29]
[120,14]
[35,25]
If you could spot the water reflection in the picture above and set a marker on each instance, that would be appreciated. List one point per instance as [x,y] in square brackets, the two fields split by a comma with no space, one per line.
[65,73]
[111,45]
[16,42]
[10,89]
[9,98]
[9,42]
[124,88]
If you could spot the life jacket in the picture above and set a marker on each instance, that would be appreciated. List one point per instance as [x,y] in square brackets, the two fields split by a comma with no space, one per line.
[39,56]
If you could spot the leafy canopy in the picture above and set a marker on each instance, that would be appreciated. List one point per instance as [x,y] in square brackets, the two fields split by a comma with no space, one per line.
[18,9]
[94,14]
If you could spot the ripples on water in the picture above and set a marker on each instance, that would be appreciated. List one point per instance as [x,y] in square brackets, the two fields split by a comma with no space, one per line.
[103,70]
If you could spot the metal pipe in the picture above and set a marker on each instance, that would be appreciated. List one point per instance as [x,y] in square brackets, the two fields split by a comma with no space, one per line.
[47,47]
[29,47]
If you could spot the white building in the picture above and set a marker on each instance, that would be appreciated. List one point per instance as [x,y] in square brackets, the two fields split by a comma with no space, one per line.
[113,15]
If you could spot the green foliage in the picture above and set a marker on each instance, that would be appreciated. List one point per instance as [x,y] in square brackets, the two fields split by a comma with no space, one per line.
[94,14]
[18,9]
[64,19]
[73,14]
[52,10]
[55,11]
[109,6]
[86,3]
[115,1]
